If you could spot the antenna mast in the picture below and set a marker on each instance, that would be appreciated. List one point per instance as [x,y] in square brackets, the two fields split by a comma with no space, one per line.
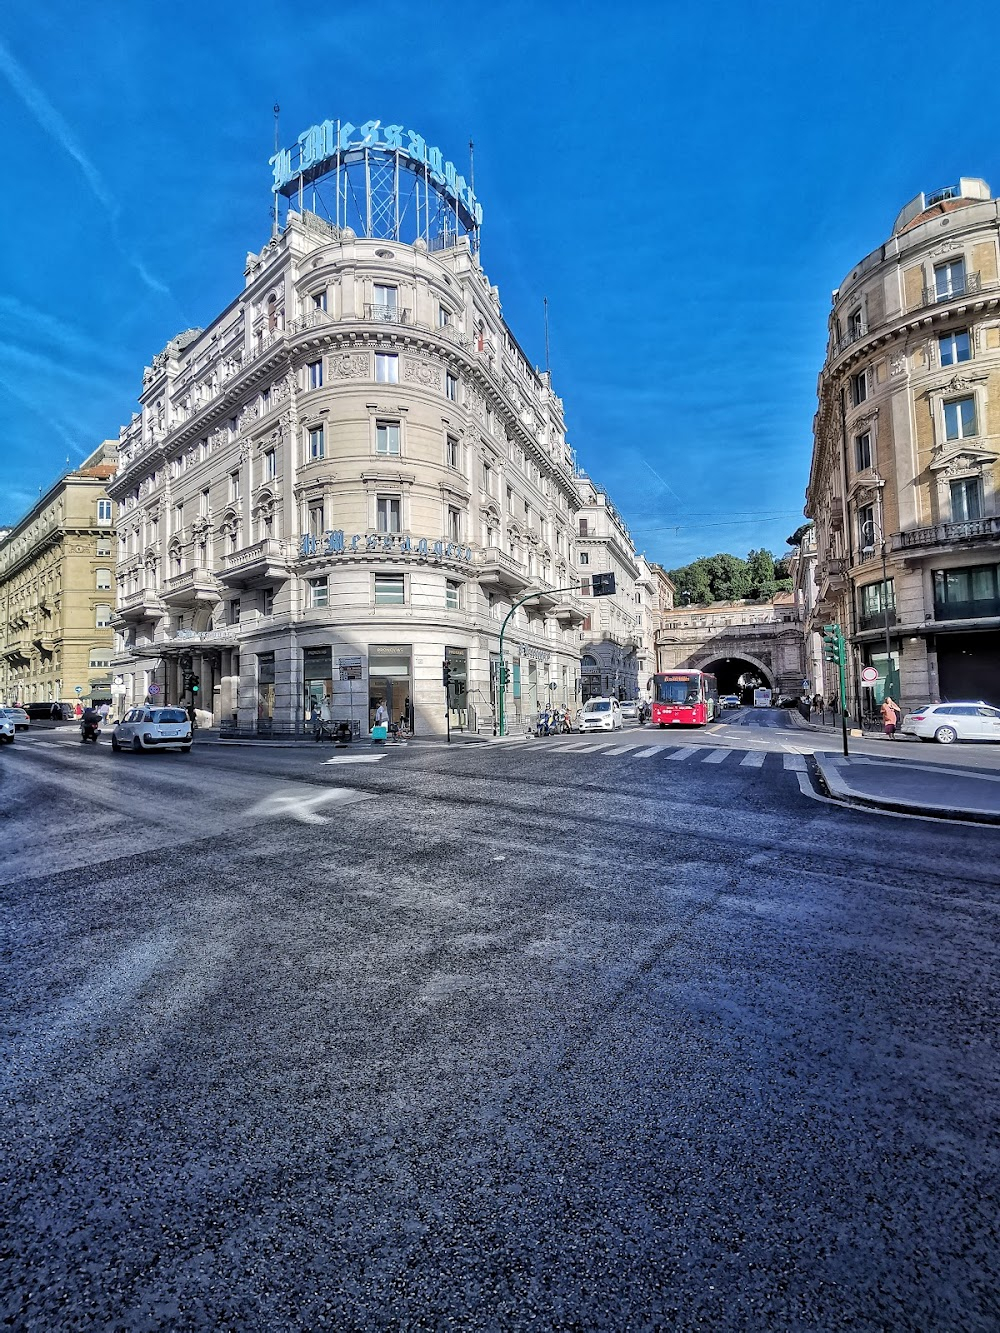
[274,225]
[545,305]
[472,187]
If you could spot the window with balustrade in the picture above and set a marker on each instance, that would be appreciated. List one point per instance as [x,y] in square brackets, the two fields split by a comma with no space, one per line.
[966,499]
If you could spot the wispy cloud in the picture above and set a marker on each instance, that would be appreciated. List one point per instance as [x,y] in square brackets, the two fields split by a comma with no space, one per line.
[54,424]
[55,125]
[26,323]
[53,368]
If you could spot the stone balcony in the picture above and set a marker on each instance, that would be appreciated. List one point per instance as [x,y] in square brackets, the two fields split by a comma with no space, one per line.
[500,571]
[194,588]
[947,535]
[142,605]
[262,565]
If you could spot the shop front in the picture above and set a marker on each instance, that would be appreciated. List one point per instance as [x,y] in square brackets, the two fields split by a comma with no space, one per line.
[390,681]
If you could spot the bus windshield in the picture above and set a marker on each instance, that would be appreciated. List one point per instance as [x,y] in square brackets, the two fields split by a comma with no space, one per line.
[682,690]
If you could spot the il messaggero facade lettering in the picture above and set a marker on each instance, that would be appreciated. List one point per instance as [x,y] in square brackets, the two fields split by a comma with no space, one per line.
[388,543]
[319,146]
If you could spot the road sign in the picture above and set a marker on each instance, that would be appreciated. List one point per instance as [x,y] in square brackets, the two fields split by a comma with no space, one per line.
[77,689]
[154,689]
[869,675]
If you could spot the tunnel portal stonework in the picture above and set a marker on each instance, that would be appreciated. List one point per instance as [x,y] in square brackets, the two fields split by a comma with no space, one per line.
[763,638]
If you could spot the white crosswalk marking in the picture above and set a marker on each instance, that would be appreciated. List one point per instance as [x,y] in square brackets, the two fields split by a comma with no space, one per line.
[795,763]
[684,752]
[716,756]
[753,759]
[648,754]
[623,749]
[580,745]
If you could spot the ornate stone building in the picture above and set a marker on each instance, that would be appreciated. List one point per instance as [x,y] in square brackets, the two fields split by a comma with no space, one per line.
[56,592]
[903,484]
[347,477]
[737,641]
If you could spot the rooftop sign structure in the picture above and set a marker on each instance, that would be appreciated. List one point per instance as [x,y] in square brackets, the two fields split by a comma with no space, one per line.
[387,182]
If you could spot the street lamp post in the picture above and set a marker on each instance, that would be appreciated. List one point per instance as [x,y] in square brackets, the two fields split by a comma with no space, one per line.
[879,487]
[544,592]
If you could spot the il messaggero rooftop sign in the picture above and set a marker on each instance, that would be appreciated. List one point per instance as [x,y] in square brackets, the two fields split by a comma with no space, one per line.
[322,147]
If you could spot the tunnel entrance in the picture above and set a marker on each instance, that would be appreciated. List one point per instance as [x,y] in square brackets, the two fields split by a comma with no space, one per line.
[736,675]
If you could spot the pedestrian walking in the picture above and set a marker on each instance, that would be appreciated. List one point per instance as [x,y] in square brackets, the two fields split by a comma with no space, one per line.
[78,710]
[104,709]
[381,715]
[890,717]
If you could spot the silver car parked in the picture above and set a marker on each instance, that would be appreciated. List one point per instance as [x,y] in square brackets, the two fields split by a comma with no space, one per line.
[153,729]
[947,723]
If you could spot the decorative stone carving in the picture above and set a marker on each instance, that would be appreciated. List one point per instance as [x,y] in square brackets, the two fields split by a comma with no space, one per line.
[248,412]
[283,388]
[350,365]
[897,364]
[422,372]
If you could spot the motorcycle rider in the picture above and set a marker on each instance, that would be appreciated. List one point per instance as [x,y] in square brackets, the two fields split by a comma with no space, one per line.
[90,725]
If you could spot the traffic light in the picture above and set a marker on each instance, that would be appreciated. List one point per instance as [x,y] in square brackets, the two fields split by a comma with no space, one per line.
[195,684]
[504,675]
[446,672]
[602,585]
[833,645]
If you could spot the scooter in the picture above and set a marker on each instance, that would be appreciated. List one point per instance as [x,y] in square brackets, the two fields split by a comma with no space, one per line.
[90,729]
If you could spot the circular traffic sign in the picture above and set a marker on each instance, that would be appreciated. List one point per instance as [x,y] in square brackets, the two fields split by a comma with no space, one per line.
[154,689]
[78,689]
[869,674]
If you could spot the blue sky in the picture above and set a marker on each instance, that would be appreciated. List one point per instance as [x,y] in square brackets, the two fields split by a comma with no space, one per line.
[685,183]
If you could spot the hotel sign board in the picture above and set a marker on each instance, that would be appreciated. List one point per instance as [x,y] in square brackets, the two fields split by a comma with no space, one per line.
[383,543]
[321,148]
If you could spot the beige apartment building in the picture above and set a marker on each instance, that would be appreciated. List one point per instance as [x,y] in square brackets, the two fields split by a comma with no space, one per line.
[57,592]
[903,483]
[348,477]
[617,658]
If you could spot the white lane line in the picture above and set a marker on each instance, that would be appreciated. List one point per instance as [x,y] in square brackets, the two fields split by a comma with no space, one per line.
[354,759]
[684,752]
[716,756]
[753,759]
[794,763]
[648,754]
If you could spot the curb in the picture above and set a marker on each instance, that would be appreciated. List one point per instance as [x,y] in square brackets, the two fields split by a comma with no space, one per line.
[839,790]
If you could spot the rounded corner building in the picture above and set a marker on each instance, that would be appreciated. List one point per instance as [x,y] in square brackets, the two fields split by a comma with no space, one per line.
[905,484]
[352,474]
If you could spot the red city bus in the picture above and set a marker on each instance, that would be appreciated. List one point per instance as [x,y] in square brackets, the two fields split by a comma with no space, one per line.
[684,698]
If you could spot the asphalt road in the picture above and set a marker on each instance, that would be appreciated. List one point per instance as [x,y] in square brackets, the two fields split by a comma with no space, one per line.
[504,1037]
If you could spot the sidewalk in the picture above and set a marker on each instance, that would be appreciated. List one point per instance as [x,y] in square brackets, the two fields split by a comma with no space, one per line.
[912,788]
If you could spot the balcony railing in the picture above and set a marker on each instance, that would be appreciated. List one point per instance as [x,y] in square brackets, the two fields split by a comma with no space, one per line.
[853,335]
[877,620]
[956,289]
[387,314]
[945,534]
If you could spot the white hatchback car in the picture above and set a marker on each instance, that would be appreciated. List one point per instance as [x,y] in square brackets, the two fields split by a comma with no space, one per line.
[7,729]
[600,715]
[153,729]
[947,723]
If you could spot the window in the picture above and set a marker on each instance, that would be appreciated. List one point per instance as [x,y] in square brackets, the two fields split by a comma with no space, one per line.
[270,464]
[234,430]
[319,592]
[452,596]
[265,401]
[487,479]
[317,524]
[857,324]
[584,558]
[863,451]
[385,301]
[204,503]
[960,418]
[866,527]
[317,443]
[386,368]
[103,546]
[314,375]
[859,387]
[389,590]
[451,452]
[388,513]
[267,602]
[454,524]
[949,279]
[954,347]
[99,659]
[234,485]
[319,300]
[387,438]
[102,580]
[964,593]
[510,501]
[877,598]
[966,501]
[444,318]
[583,528]
[451,386]
[233,611]
[102,616]
[178,516]
[104,511]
